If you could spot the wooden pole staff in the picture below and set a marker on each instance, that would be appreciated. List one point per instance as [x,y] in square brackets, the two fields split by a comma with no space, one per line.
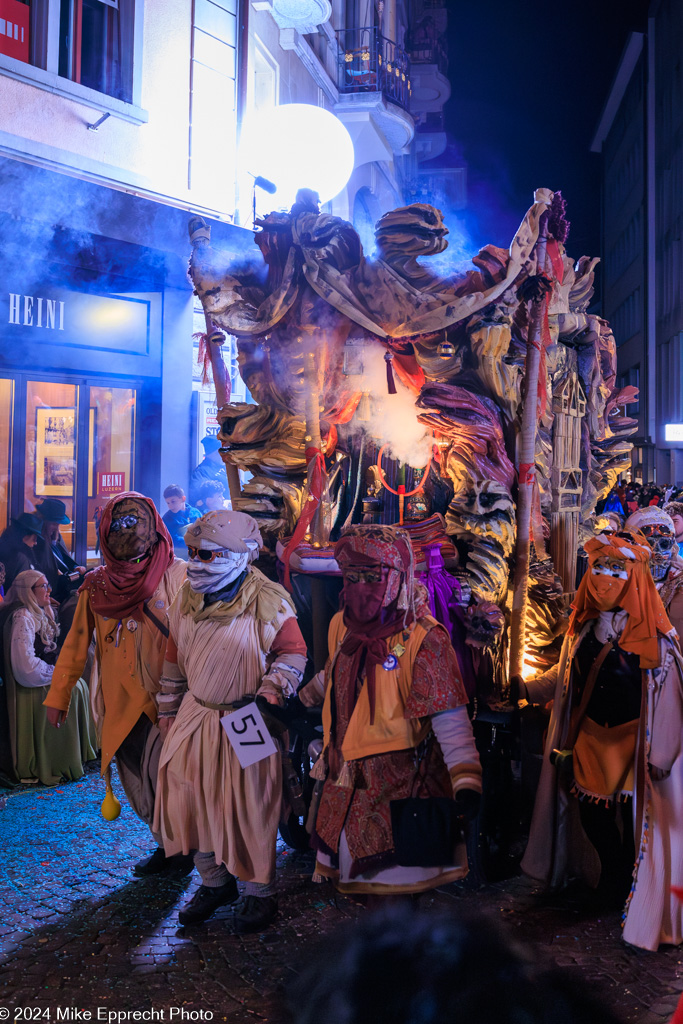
[527,462]
[200,237]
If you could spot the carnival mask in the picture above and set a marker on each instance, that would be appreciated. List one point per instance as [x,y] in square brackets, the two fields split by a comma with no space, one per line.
[369,588]
[607,581]
[663,544]
[217,572]
[132,531]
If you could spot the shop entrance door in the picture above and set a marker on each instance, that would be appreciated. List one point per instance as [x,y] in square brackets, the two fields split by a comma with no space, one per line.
[72,441]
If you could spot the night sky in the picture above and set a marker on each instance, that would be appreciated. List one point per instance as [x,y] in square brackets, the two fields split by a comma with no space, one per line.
[529,81]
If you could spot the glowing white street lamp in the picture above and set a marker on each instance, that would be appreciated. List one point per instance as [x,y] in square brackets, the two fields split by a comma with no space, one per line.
[295,146]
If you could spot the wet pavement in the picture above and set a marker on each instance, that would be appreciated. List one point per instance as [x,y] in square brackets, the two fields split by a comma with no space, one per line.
[78,933]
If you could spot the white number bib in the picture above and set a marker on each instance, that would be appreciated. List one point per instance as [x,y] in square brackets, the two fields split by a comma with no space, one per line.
[248,735]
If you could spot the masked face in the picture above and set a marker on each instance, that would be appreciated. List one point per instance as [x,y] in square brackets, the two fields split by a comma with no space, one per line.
[365,590]
[210,577]
[132,531]
[663,543]
[607,581]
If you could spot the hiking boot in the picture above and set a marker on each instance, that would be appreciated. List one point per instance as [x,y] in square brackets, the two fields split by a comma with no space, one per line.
[207,900]
[253,914]
[159,864]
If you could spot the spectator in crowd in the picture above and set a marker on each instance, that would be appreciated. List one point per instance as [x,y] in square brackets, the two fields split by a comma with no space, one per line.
[210,468]
[32,751]
[675,510]
[17,545]
[613,504]
[402,967]
[62,572]
[179,514]
[212,497]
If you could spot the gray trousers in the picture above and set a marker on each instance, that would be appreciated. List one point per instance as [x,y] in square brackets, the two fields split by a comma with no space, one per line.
[214,875]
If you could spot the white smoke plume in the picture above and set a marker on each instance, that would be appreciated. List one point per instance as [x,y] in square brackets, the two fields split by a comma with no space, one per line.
[393,418]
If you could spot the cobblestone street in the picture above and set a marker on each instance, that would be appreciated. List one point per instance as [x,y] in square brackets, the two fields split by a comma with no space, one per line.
[78,931]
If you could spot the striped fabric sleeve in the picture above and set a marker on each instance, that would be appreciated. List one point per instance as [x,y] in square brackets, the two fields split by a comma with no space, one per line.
[453,731]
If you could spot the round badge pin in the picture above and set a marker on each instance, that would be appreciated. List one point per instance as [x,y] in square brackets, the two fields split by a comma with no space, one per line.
[158,604]
[390,663]
[131,625]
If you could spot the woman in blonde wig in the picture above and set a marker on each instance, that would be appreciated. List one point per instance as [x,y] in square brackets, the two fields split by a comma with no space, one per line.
[28,638]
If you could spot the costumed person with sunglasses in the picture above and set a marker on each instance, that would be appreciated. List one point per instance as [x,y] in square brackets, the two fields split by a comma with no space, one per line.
[234,635]
[125,601]
[395,728]
[666,565]
[609,807]
[31,751]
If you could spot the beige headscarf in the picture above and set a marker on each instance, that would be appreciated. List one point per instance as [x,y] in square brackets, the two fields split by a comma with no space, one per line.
[43,618]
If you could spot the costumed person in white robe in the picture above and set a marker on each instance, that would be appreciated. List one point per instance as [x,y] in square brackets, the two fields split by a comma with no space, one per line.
[609,807]
[234,634]
[666,565]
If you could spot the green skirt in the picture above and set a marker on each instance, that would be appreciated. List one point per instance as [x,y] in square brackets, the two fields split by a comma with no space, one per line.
[46,754]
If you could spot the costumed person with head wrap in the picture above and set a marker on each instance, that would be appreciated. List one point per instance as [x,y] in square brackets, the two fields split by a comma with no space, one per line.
[675,510]
[125,601]
[30,751]
[395,727]
[666,565]
[609,807]
[234,635]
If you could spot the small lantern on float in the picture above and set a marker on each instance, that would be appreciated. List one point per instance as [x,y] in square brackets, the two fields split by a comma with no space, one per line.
[445,348]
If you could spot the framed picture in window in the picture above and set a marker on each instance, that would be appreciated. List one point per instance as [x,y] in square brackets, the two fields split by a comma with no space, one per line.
[55,452]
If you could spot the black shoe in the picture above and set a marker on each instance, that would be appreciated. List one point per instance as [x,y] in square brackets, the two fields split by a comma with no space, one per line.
[253,914]
[207,900]
[159,864]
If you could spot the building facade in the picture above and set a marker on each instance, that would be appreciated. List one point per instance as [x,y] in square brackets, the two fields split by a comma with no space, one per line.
[640,136]
[118,120]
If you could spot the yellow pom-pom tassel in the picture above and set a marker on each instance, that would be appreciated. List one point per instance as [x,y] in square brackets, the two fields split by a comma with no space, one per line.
[111,808]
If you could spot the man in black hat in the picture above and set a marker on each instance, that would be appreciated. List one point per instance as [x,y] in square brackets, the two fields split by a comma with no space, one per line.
[210,468]
[17,545]
[53,559]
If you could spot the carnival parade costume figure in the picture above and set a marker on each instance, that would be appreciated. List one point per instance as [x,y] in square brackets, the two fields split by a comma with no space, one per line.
[234,635]
[614,747]
[395,723]
[666,565]
[125,601]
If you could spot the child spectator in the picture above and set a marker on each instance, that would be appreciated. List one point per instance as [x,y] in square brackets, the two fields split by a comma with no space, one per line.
[212,497]
[179,514]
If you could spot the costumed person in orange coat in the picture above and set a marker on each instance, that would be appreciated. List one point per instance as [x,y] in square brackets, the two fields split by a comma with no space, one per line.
[395,727]
[609,807]
[125,601]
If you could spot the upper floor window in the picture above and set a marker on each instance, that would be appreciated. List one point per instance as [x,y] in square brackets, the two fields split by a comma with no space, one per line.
[96,45]
[90,42]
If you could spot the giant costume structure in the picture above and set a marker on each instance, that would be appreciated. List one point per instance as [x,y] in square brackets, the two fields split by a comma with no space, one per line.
[344,354]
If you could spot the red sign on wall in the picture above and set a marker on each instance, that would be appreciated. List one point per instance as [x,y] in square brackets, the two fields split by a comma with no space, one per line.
[14,29]
[111,483]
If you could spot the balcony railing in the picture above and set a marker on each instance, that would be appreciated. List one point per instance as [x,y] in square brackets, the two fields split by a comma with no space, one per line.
[368,62]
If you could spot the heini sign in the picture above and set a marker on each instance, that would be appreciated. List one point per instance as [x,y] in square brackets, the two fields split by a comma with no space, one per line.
[111,483]
[37,312]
